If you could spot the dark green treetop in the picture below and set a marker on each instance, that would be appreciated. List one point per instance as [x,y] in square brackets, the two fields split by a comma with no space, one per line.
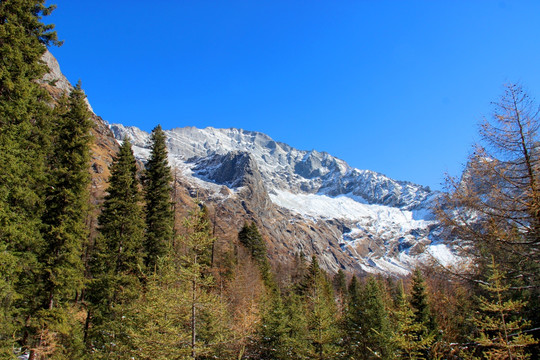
[157,193]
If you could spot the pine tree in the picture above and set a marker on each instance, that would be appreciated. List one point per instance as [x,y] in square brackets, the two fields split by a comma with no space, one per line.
[406,337]
[117,262]
[251,238]
[499,323]
[422,314]
[351,325]
[318,298]
[157,193]
[66,202]
[374,324]
[25,121]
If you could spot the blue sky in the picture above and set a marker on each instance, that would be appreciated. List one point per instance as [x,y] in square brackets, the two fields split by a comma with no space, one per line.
[392,86]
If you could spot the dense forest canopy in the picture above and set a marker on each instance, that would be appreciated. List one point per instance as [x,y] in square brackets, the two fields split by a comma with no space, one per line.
[127,277]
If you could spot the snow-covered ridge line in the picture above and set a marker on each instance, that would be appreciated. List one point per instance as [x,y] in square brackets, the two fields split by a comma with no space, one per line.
[283,167]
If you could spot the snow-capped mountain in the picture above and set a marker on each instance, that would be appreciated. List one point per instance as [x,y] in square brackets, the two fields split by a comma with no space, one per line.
[304,202]
[355,219]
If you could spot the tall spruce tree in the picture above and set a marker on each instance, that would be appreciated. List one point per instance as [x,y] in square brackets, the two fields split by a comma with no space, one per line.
[117,262]
[374,324]
[25,120]
[427,329]
[322,327]
[351,324]
[407,336]
[251,238]
[157,193]
[66,202]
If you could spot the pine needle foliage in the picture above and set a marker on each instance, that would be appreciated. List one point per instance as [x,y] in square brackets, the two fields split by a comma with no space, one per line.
[117,262]
[500,326]
[159,214]
[25,129]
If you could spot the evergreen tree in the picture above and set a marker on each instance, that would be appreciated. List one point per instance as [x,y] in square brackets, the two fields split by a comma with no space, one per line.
[351,324]
[274,329]
[499,323]
[25,121]
[374,324]
[406,338]
[251,238]
[318,298]
[422,313]
[66,202]
[118,254]
[157,193]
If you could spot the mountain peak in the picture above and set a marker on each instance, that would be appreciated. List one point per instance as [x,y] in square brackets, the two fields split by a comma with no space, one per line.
[369,221]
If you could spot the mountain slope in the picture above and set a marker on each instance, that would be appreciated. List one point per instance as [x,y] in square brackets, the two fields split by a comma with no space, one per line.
[354,219]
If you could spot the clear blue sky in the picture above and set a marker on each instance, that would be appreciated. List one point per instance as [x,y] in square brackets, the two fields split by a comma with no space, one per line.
[393,86]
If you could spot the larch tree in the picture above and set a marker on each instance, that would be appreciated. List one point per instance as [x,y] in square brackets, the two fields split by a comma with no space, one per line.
[494,209]
[207,327]
[157,182]
[499,322]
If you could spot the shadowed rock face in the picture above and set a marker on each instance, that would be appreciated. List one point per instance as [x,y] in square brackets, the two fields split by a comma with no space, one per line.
[232,169]
[305,202]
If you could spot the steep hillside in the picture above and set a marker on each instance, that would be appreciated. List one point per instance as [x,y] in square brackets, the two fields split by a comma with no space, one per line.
[306,201]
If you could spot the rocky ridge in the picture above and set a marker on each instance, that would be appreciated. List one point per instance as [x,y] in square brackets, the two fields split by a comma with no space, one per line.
[304,202]
[307,201]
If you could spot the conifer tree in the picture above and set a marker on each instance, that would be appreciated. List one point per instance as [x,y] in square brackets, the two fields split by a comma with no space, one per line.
[422,314]
[406,338]
[66,202]
[251,238]
[500,326]
[351,325]
[157,193]
[374,324]
[25,120]
[206,321]
[274,330]
[118,254]
[322,327]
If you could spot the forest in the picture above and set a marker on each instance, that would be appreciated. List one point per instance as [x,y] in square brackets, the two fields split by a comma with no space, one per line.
[133,278]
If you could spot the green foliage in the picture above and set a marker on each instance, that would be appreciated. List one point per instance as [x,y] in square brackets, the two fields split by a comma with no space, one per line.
[372,327]
[407,336]
[274,328]
[499,324]
[427,330]
[118,253]
[25,125]
[319,306]
[251,238]
[66,200]
[157,194]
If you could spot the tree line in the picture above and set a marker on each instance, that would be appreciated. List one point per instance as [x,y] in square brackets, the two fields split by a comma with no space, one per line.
[149,285]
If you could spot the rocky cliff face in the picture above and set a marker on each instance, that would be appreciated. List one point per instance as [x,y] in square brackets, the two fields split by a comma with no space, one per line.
[304,202]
